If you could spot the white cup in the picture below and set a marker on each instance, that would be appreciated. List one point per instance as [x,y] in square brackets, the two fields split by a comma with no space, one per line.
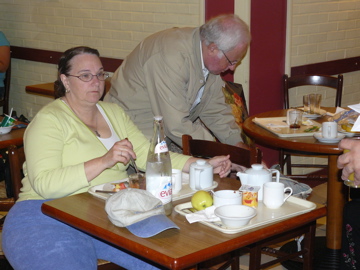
[274,194]
[329,130]
[225,197]
[176,181]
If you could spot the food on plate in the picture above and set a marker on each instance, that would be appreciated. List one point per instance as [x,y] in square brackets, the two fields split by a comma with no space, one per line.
[312,129]
[347,127]
[201,200]
[119,186]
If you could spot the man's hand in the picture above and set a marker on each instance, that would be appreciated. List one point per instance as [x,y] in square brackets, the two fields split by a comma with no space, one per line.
[350,161]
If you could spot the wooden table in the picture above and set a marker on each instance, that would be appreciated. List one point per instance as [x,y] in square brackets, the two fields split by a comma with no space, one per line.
[173,249]
[43,89]
[15,137]
[47,89]
[337,192]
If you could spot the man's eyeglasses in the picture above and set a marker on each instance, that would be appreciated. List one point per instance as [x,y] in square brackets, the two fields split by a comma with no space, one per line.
[233,63]
[87,77]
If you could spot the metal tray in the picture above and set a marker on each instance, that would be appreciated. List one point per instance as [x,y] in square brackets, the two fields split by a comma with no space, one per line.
[278,126]
[292,207]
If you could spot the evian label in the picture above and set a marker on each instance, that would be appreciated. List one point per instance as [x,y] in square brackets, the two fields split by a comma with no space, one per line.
[160,187]
[161,148]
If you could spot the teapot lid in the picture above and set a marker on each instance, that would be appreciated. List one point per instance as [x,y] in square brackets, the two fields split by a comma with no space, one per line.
[257,169]
[200,163]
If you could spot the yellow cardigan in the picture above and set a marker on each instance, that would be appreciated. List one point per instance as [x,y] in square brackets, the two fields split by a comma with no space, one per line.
[57,144]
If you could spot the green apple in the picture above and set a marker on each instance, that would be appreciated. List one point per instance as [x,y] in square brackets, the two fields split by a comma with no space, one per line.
[201,199]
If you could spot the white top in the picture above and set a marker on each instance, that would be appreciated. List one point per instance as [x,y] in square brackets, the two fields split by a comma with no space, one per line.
[108,142]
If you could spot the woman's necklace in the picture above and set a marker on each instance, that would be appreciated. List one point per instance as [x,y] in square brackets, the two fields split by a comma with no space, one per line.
[96,119]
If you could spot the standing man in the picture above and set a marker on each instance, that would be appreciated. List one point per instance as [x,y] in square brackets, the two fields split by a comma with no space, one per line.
[176,73]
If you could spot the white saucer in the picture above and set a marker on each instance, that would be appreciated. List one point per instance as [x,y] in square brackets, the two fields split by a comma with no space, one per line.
[320,138]
[314,116]
[347,134]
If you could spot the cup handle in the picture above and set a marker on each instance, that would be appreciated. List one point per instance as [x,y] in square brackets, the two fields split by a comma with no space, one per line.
[291,192]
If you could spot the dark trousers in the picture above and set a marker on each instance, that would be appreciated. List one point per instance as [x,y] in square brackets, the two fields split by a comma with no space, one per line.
[350,250]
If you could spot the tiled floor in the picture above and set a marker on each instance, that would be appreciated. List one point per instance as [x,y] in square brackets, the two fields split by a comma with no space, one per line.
[318,195]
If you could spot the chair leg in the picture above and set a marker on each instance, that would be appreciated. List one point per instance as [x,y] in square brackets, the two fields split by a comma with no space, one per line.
[288,165]
[255,257]
[309,242]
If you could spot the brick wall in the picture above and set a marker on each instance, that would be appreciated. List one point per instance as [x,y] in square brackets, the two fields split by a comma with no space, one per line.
[325,30]
[114,27]
[321,30]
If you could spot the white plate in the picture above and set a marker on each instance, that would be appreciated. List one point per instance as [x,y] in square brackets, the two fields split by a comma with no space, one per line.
[106,187]
[319,137]
[347,134]
[185,191]
[314,116]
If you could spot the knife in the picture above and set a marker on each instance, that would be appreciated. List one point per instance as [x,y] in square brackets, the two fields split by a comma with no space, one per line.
[105,191]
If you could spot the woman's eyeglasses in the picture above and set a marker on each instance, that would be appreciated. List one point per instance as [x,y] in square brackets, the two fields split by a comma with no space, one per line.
[87,77]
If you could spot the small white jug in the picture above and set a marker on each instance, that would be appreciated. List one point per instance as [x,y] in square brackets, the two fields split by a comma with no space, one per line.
[201,175]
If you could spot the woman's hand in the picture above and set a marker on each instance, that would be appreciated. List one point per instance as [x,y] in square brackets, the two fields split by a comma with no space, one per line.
[221,165]
[120,152]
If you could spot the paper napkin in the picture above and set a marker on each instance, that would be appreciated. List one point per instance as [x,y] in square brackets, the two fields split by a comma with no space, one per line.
[338,109]
[204,215]
[356,126]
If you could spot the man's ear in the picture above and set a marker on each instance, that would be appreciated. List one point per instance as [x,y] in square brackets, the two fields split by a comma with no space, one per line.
[213,49]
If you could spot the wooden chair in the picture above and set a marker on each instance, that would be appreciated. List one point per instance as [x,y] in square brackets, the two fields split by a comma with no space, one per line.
[16,158]
[206,149]
[240,156]
[290,84]
[5,101]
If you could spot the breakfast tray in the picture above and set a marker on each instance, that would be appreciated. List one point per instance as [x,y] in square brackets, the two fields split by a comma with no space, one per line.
[185,191]
[278,126]
[292,207]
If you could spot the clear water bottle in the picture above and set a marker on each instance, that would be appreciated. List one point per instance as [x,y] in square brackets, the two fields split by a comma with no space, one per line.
[158,167]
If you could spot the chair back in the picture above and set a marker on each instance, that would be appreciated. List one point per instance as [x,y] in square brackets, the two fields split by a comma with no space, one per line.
[13,175]
[234,96]
[335,83]
[16,156]
[208,149]
[5,101]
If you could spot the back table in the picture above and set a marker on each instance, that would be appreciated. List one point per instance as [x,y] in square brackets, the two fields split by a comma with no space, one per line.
[337,192]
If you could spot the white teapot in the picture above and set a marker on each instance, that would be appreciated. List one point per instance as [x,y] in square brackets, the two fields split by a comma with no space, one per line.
[257,175]
[201,175]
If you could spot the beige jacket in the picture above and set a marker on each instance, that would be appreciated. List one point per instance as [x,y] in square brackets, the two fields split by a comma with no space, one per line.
[162,76]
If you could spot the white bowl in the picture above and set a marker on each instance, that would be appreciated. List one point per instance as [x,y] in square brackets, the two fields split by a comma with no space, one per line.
[234,215]
[225,197]
[5,130]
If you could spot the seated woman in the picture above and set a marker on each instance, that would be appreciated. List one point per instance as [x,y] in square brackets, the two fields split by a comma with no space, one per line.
[73,143]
